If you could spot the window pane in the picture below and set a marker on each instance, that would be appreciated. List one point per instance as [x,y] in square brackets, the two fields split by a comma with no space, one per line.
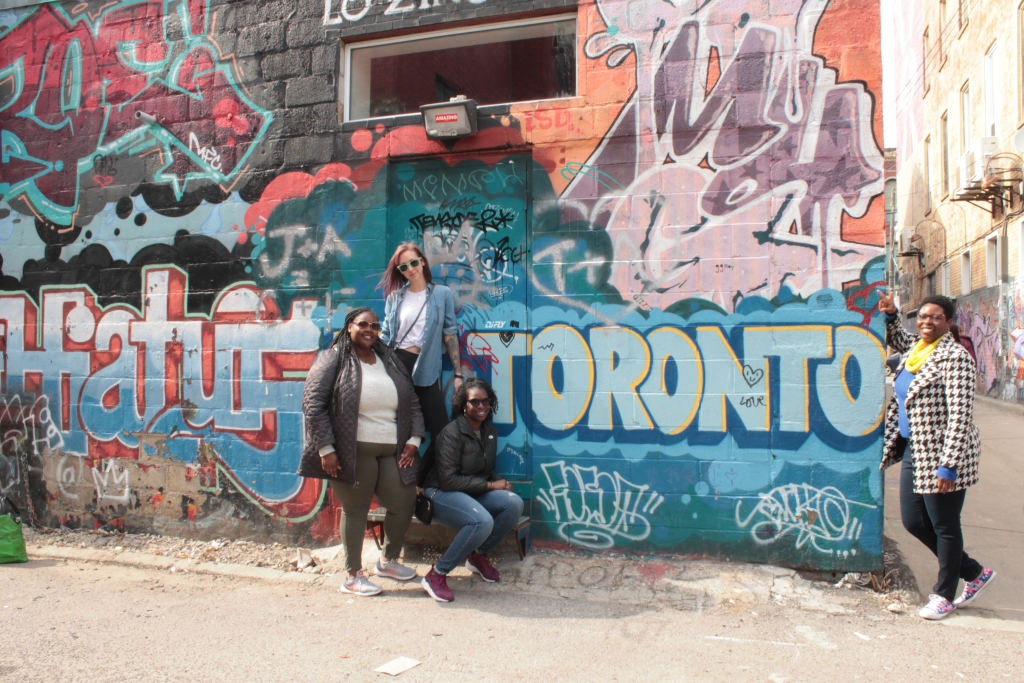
[521,63]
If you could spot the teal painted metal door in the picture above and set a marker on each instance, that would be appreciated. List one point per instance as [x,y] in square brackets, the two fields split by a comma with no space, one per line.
[471,217]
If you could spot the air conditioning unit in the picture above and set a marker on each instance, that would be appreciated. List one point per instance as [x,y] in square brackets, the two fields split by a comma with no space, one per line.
[984,149]
[905,235]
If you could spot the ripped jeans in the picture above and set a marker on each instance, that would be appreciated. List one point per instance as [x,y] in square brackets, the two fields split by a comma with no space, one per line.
[481,521]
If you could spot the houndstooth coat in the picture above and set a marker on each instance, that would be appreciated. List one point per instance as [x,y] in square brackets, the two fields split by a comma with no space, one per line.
[940,409]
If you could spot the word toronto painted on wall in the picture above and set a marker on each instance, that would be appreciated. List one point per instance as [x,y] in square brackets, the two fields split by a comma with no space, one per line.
[669,275]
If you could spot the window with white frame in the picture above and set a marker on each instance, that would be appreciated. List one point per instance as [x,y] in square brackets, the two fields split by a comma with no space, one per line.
[494,64]
[965,273]
[965,117]
[1020,249]
[992,87]
[993,270]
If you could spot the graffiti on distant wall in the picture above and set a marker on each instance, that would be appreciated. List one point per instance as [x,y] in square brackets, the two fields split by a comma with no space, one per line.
[131,88]
[680,338]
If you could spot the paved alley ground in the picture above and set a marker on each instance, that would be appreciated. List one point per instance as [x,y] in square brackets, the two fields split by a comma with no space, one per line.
[110,607]
[553,617]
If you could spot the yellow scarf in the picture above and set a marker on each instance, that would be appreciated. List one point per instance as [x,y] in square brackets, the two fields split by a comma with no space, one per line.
[919,354]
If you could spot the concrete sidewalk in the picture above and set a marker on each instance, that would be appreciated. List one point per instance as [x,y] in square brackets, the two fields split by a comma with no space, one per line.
[993,516]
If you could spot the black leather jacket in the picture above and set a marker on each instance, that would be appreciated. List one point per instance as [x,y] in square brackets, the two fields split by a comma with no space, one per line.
[461,461]
[330,403]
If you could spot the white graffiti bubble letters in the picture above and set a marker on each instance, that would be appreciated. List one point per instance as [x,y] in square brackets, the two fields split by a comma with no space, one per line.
[595,509]
[820,517]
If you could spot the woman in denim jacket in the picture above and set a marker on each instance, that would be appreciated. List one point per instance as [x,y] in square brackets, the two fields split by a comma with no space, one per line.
[419,320]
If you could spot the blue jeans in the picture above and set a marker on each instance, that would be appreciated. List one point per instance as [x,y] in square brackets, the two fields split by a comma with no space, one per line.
[481,522]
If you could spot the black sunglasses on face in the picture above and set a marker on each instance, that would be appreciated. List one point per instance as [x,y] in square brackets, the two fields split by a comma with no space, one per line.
[362,325]
[479,402]
[415,263]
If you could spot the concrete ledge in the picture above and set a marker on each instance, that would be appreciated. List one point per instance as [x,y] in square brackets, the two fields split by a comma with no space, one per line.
[142,561]
[1012,408]
[966,621]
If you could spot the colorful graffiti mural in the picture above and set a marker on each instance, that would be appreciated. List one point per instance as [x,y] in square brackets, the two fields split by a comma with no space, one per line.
[677,309]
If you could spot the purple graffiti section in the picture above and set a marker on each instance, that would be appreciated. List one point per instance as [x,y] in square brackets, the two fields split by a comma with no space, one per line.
[729,171]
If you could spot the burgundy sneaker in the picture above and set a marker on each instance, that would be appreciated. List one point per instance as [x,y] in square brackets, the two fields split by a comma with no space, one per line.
[479,564]
[437,585]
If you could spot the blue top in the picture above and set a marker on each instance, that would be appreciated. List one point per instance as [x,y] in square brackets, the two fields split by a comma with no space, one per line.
[900,386]
[440,321]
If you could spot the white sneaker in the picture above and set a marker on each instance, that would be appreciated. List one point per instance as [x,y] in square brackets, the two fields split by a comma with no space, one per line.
[360,585]
[938,607]
[393,569]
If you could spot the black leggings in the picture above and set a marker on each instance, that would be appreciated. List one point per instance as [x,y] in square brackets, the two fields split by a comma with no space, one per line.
[435,417]
[934,519]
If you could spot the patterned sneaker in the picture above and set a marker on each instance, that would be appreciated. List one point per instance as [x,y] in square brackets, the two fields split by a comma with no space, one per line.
[437,586]
[479,564]
[938,607]
[360,585]
[393,570]
[972,588]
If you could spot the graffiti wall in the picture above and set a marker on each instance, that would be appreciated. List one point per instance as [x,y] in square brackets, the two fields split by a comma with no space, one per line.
[669,278]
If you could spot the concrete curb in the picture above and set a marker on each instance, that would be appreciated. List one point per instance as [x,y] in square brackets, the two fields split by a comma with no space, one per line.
[141,561]
[965,621]
[1012,408]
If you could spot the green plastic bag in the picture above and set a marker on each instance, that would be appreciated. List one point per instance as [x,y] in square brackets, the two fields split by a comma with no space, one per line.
[12,541]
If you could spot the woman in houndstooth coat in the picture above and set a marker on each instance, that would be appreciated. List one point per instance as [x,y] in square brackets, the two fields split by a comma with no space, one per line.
[929,427]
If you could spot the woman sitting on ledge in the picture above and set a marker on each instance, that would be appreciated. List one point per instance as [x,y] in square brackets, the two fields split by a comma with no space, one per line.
[468,496]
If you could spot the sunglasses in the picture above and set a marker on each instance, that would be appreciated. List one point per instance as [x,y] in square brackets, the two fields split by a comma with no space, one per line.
[415,263]
[479,402]
[362,325]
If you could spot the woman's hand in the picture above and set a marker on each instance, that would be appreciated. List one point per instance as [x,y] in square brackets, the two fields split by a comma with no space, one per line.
[885,302]
[330,464]
[499,485]
[946,486]
[409,454]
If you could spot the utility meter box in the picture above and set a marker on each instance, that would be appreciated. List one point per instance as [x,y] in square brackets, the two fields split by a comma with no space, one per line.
[449,120]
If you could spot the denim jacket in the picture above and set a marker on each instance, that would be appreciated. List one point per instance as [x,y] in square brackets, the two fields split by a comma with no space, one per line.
[440,321]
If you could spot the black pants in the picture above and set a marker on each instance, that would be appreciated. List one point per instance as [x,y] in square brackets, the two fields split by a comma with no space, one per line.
[934,519]
[435,417]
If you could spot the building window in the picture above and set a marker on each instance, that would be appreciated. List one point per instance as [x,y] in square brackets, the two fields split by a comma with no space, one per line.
[931,283]
[942,30]
[524,61]
[944,141]
[924,61]
[965,273]
[965,117]
[1020,249]
[993,270]
[1020,61]
[926,172]
[992,86]
[963,12]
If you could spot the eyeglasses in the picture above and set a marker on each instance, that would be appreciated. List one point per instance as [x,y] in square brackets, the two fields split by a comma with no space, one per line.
[362,325]
[415,263]
[938,318]
[479,402]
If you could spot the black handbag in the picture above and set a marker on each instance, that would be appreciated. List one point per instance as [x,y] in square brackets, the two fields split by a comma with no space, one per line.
[424,510]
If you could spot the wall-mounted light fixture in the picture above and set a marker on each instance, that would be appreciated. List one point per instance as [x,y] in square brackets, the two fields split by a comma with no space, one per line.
[449,120]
